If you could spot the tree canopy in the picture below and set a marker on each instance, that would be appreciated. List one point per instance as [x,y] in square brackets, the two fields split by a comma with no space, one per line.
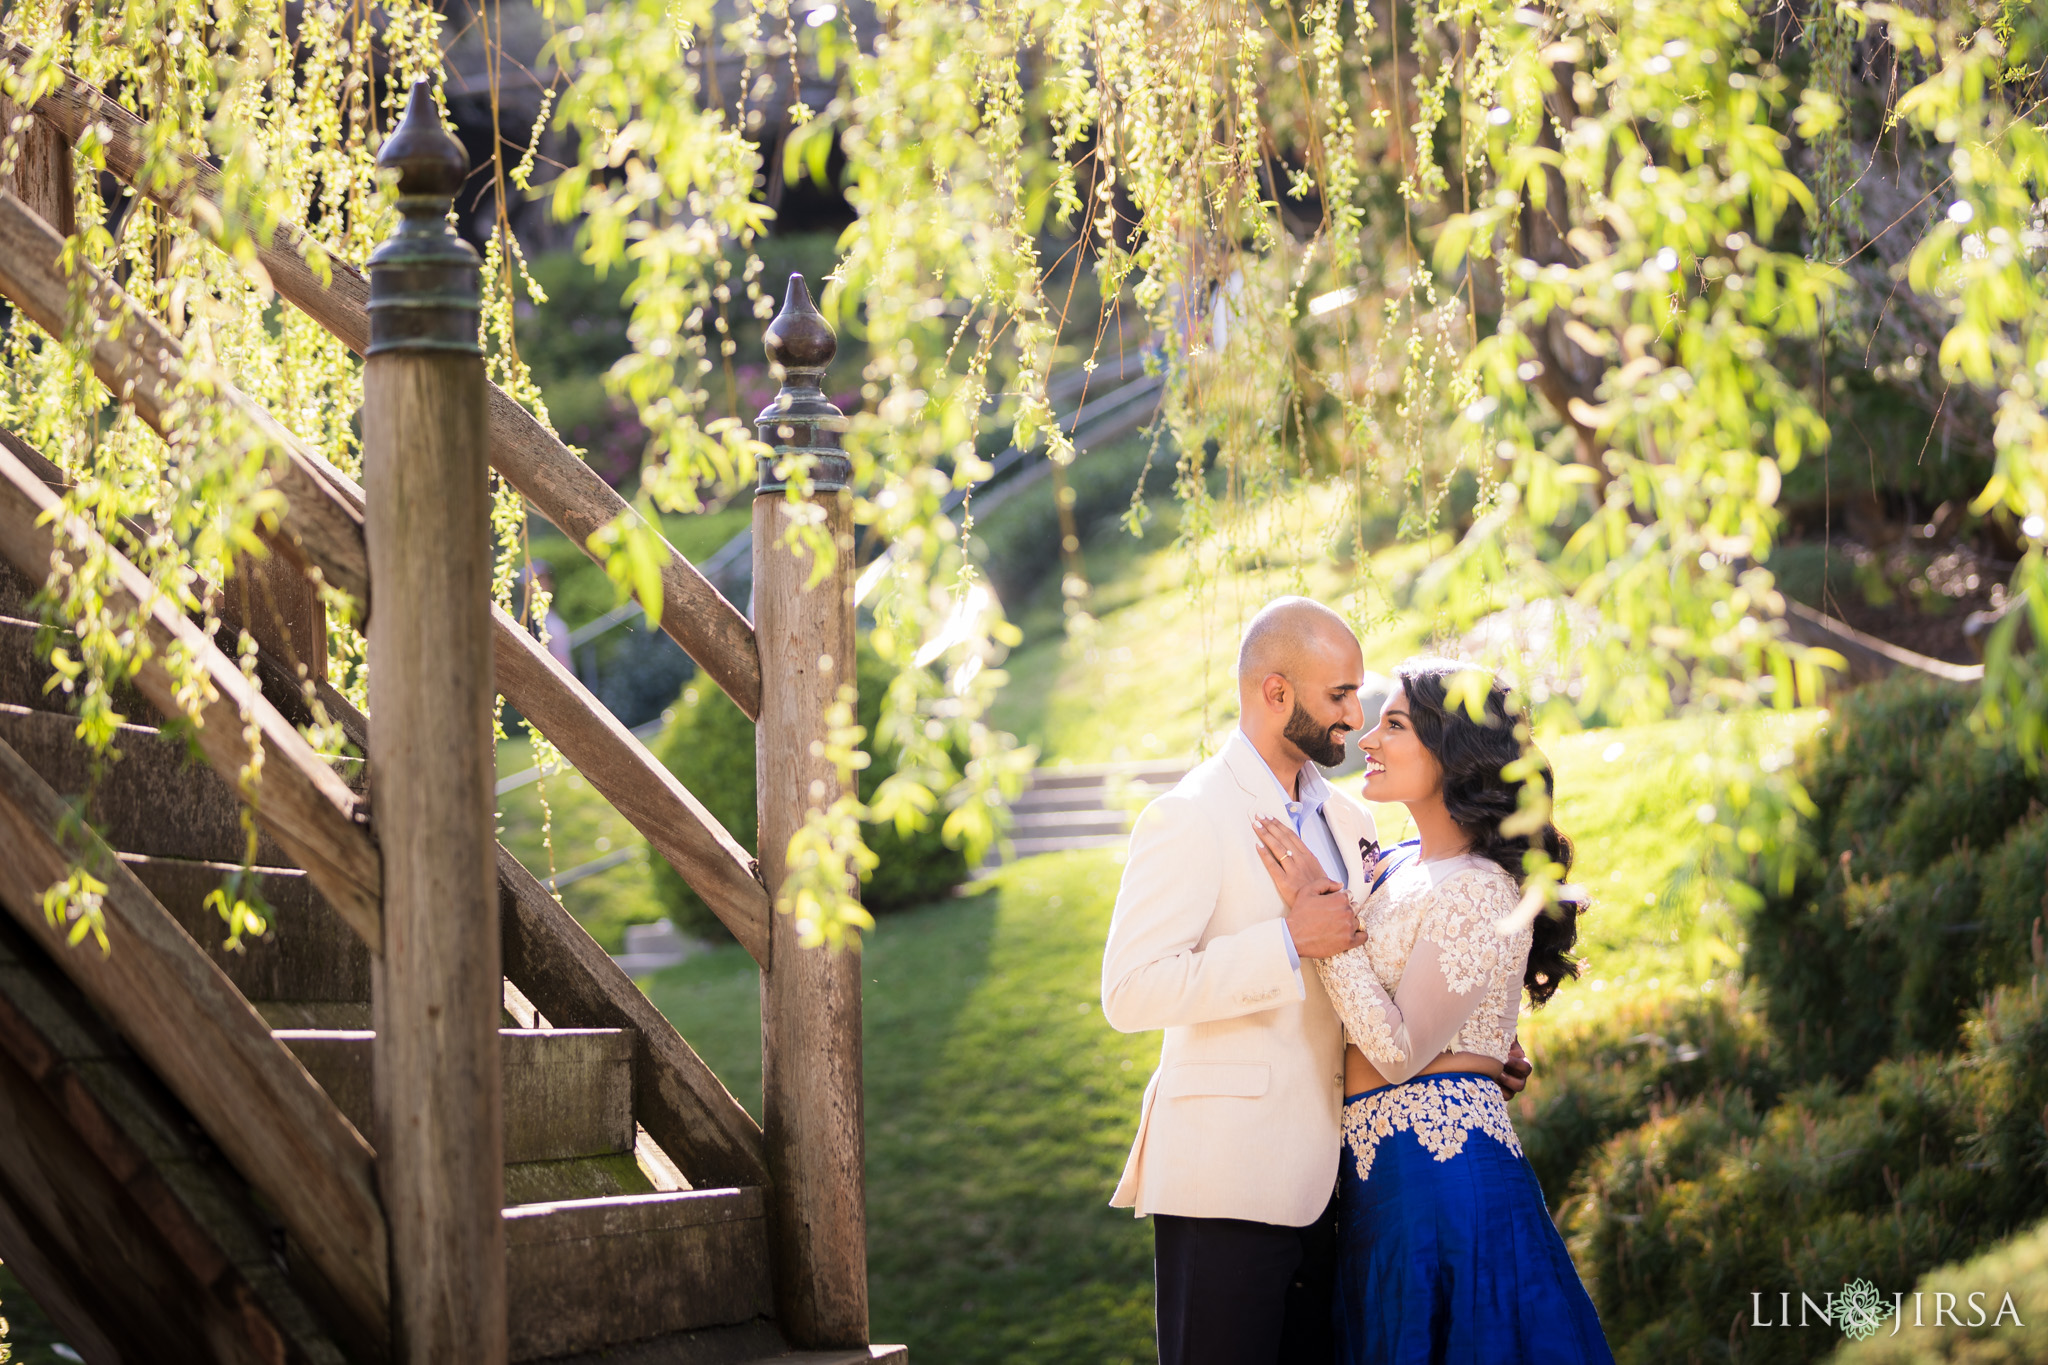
[1626,270]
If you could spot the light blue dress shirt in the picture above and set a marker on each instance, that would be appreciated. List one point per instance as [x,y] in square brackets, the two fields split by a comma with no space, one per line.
[1306,814]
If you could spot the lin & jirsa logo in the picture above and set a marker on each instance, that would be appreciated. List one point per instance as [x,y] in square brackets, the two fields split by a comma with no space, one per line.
[1859,1308]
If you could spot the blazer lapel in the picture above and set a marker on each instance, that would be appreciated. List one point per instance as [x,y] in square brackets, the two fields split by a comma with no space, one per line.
[1355,843]
[1250,772]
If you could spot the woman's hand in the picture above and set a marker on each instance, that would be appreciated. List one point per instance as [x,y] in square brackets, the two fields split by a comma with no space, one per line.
[1319,913]
[1289,861]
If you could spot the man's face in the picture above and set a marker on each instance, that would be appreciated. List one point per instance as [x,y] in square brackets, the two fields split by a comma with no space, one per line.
[1326,703]
[1322,742]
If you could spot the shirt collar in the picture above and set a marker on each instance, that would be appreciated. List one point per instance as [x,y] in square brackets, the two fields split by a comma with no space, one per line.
[1314,789]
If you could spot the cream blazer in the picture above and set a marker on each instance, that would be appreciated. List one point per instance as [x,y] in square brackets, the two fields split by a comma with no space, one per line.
[1242,1118]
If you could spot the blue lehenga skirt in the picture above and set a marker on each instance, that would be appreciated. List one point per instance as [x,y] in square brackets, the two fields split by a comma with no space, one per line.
[1447,1254]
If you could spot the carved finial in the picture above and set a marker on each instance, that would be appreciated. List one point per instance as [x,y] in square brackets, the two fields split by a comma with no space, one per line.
[423,279]
[428,159]
[802,420]
[800,338]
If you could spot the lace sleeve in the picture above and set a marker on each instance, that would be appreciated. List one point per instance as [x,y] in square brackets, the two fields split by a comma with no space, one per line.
[1446,978]
[1460,920]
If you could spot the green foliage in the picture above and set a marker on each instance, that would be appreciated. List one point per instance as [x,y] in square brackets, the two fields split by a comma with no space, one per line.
[1648,1056]
[1019,541]
[1592,260]
[1923,888]
[709,745]
[1678,1221]
[2018,1267]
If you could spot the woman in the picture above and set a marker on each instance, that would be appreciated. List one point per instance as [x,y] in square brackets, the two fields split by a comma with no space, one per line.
[1447,1252]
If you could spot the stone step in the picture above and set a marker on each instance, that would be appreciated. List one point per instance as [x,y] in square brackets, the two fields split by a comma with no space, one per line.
[1163,772]
[159,799]
[1028,848]
[568,1092]
[596,1275]
[307,956]
[1045,824]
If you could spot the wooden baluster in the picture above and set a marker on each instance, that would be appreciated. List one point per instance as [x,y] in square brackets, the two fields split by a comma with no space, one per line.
[427,512]
[41,176]
[810,997]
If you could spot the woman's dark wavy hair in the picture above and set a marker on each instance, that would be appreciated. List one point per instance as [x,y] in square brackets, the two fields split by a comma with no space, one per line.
[1473,755]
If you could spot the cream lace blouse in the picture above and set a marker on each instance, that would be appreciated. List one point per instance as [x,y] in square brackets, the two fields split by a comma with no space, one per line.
[1434,974]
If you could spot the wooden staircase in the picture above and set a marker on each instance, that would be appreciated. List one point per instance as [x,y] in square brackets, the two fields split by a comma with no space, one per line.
[193,1156]
[609,1246]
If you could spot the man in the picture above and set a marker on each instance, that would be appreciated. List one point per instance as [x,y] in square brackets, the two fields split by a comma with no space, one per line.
[1238,1140]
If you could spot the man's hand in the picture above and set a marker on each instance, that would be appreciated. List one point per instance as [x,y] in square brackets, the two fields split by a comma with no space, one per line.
[1514,1073]
[1322,921]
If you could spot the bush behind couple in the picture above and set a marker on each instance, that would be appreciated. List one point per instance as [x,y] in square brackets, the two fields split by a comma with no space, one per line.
[1324,1149]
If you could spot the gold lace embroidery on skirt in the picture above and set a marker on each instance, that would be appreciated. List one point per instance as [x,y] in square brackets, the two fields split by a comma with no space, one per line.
[1441,1114]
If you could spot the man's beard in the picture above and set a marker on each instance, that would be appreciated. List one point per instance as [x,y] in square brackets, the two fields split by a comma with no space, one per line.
[1305,733]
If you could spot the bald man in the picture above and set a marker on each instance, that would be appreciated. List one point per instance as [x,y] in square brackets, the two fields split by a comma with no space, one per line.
[1236,1154]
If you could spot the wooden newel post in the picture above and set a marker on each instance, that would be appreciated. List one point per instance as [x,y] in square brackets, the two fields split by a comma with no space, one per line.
[438,989]
[810,997]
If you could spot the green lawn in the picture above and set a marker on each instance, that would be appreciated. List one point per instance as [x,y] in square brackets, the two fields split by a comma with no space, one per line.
[999,1108]
[1000,1105]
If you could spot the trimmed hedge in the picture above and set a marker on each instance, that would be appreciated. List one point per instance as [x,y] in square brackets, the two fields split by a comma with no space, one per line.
[1649,1056]
[2018,1267]
[1873,1106]
[1676,1223]
[1928,881]
[709,744]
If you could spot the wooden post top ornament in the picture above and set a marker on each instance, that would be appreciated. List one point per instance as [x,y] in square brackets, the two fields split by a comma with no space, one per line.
[424,279]
[802,420]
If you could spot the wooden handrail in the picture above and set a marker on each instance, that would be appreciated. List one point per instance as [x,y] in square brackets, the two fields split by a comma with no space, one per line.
[138,361]
[298,799]
[562,487]
[618,765]
[324,512]
[634,781]
[182,1014]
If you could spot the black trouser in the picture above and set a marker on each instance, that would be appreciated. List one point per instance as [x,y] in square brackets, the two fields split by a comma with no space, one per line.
[1230,1292]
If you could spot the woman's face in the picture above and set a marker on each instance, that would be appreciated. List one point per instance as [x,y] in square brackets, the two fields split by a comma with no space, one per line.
[1398,766]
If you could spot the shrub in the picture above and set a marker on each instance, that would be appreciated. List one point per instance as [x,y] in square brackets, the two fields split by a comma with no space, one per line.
[1677,1222]
[1647,1057]
[1924,890]
[709,745]
[2018,1267]
[1018,541]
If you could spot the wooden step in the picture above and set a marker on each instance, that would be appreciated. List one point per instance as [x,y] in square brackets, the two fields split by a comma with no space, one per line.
[24,677]
[126,1224]
[593,1275]
[158,800]
[16,591]
[307,956]
[754,1343]
[568,1092]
